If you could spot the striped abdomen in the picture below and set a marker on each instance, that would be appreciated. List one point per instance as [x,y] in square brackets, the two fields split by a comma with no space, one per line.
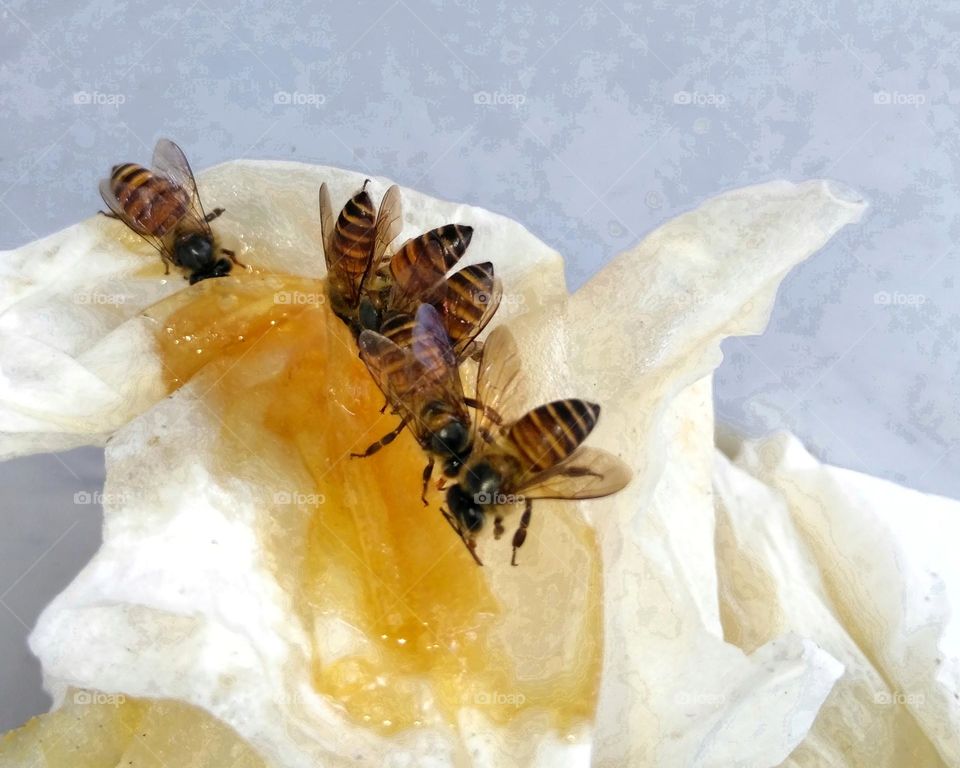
[548,434]
[352,243]
[151,202]
[469,294]
[422,261]
[399,329]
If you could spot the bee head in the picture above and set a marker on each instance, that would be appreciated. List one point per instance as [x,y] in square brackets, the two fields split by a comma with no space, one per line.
[194,252]
[221,268]
[465,508]
[369,314]
[453,441]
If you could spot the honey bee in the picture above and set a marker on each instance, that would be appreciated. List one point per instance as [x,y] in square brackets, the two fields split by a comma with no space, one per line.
[537,456]
[370,286]
[421,381]
[355,250]
[163,207]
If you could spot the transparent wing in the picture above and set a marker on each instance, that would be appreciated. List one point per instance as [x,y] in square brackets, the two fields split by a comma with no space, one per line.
[388,365]
[106,192]
[588,473]
[470,301]
[439,374]
[499,383]
[388,226]
[326,224]
[170,162]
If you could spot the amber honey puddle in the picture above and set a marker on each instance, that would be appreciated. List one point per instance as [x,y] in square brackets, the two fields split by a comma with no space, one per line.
[405,626]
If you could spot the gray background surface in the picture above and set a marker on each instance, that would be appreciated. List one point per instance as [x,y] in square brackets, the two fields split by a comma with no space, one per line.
[589,123]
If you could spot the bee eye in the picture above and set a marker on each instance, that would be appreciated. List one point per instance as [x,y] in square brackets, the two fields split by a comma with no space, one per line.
[452,439]
[199,247]
[472,518]
[369,315]
[194,252]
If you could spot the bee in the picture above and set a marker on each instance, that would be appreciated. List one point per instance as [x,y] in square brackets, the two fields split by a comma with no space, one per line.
[163,207]
[537,456]
[421,381]
[368,285]
[355,250]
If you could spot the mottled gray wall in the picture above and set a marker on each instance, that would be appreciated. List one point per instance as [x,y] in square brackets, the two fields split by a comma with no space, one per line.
[590,124]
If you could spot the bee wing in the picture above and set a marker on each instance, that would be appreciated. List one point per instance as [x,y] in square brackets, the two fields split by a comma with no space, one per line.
[170,162]
[433,353]
[499,383]
[106,192]
[326,224]
[588,473]
[388,364]
[471,298]
[388,226]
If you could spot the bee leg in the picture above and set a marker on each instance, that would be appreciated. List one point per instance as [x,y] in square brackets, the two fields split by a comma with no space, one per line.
[427,472]
[215,213]
[520,535]
[385,440]
[491,414]
[384,408]
[497,527]
[232,256]
[166,263]
[108,214]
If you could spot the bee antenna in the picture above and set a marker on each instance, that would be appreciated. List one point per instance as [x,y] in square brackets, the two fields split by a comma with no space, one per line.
[364,187]
[470,544]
